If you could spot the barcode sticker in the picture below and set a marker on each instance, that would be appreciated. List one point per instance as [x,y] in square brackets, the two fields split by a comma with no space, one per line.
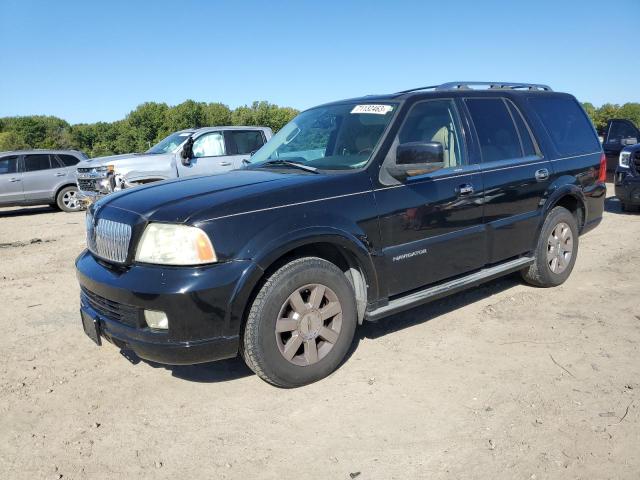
[374,109]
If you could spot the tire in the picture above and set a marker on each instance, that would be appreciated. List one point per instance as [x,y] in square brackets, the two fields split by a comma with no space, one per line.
[560,225]
[67,199]
[303,295]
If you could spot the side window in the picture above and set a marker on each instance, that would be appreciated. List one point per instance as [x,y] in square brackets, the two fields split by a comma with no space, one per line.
[568,126]
[9,164]
[621,131]
[246,142]
[67,160]
[524,132]
[495,129]
[33,163]
[434,121]
[209,145]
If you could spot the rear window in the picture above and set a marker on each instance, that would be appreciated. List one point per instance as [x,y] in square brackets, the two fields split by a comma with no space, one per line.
[496,132]
[570,129]
[8,164]
[68,160]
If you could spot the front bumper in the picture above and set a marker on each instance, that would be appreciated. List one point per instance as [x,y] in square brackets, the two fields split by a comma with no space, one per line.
[87,198]
[627,187]
[197,301]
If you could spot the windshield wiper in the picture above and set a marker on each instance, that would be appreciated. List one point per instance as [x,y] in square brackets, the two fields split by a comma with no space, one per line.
[289,163]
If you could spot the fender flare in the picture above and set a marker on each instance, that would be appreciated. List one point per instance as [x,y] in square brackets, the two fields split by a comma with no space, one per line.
[280,246]
[558,193]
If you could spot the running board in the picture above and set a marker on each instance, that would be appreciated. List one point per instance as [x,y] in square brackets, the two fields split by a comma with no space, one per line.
[447,288]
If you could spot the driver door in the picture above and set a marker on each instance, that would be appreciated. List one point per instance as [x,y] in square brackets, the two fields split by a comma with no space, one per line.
[432,223]
[209,156]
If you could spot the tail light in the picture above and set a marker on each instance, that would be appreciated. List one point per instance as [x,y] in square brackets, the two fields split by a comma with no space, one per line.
[602,173]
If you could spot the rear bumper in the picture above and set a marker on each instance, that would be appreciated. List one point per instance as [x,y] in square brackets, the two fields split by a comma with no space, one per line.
[627,187]
[196,301]
[594,197]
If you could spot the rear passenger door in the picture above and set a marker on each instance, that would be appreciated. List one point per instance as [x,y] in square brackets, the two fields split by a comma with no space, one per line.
[10,180]
[514,173]
[42,173]
[241,144]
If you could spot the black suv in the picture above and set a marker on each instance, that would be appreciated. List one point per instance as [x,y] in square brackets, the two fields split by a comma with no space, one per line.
[355,210]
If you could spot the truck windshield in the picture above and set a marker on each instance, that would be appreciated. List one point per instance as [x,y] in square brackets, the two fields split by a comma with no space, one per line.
[337,137]
[169,143]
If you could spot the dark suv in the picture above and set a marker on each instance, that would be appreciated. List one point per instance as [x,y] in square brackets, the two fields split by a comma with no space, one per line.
[354,211]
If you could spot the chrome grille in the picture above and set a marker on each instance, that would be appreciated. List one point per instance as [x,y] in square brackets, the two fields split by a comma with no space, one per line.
[108,239]
[87,185]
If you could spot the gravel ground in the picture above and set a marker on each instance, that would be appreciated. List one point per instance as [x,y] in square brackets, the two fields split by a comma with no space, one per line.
[503,381]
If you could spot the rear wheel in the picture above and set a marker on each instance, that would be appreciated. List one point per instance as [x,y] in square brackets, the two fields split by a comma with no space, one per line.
[556,251]
[301,323]
[67,199]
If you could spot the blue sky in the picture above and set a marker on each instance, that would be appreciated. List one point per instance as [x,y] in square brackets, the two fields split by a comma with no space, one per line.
[88,61]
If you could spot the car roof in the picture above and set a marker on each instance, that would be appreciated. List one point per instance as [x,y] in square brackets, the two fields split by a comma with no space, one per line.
[40,151]
[456,89]
[226,127]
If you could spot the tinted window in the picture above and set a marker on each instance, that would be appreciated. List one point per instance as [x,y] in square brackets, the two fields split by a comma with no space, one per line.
[67,160]
[525,134]
[9,164]
[567,124]
[495,129]
[209,145]
[246,142]
[36,162]
[621,130]
[434,121]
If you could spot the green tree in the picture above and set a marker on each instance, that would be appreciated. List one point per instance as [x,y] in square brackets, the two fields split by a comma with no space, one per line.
[263,113]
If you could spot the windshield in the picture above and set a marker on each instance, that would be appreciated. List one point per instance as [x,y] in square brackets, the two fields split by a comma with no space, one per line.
[338,137]
[170,143]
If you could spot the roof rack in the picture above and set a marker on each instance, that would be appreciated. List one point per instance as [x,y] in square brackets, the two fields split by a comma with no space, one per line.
[490,85]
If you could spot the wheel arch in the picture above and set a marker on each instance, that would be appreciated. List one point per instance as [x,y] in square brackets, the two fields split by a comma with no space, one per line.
[340,248]
[60,187]
[571,198]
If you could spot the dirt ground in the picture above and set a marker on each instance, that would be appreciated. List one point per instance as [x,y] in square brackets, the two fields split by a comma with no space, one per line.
[503,381]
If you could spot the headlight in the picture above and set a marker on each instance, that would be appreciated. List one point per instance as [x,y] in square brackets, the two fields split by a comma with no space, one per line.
[168,244]
[624,159]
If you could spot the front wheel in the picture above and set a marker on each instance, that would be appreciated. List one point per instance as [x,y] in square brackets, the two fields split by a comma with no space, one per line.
[67,199]
[301,323]
[556,251]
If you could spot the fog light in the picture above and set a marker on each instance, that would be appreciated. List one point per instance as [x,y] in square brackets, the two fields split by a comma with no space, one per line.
[156,320]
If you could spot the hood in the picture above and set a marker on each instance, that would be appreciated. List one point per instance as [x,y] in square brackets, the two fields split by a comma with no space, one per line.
[195,200]
[109,159]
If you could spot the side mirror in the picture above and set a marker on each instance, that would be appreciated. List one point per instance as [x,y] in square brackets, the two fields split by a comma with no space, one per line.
[417,158]
[629,141]
[187,152]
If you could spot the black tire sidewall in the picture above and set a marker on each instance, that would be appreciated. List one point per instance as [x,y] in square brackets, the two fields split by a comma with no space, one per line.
[273,363]
[557,215]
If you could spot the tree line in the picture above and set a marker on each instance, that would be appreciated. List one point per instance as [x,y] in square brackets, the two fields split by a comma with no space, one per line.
[151,121]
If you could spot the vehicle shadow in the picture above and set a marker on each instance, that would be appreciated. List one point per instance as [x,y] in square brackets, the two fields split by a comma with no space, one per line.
[213,372]
[429,311]
[235,368]
[21,212]
[613,205]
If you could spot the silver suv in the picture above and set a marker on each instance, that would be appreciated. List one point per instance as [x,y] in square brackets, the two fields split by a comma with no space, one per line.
[203,151]
[36,177]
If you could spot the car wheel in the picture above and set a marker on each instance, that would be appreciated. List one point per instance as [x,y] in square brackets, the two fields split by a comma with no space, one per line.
[301,323]
[556,250]
[67,200]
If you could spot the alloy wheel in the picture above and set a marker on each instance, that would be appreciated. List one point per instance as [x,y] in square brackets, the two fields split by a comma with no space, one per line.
[559,248]
[308,324]
[70,200]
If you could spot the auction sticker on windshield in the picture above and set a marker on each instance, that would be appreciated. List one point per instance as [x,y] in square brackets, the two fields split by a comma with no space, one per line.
[375,109]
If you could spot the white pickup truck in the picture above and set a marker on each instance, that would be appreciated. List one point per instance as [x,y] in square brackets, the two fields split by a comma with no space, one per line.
[203,151]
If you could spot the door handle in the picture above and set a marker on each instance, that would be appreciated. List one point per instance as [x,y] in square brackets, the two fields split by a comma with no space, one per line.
[60,174]
[464,189]
[542,174]
[13,180]
[225,164]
